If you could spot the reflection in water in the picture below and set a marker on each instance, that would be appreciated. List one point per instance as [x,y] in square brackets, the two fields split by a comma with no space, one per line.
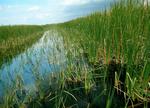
[46,56]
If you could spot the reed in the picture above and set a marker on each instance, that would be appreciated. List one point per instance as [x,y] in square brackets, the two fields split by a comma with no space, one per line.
[108,63]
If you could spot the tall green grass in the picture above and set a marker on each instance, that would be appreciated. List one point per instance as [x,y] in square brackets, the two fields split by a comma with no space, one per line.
[123,32]
[15,39]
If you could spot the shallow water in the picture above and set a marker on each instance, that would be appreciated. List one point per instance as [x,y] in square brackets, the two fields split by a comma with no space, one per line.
[44,57]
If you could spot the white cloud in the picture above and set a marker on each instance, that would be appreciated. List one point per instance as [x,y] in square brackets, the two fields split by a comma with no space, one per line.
[78,2]
[33,9]
[42,15]
[75,2]
[7,7]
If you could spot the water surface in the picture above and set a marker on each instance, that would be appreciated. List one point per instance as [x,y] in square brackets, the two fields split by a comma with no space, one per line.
[44,57]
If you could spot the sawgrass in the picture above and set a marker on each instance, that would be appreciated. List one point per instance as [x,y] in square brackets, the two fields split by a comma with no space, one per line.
[121,32]
[16,39]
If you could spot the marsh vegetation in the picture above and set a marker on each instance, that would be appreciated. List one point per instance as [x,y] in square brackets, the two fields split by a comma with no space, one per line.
[98,61]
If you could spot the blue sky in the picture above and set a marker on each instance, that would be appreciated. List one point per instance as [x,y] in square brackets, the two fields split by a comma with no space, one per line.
[46,11]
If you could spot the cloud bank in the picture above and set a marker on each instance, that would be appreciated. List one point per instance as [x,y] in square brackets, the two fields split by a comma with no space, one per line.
[46,11]
[78,2]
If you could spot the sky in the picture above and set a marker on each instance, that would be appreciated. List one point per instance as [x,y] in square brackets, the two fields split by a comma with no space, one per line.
[14,12]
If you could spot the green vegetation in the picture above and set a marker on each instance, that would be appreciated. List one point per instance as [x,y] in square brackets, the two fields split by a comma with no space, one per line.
[123,33]
[15,39]
[108,63]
